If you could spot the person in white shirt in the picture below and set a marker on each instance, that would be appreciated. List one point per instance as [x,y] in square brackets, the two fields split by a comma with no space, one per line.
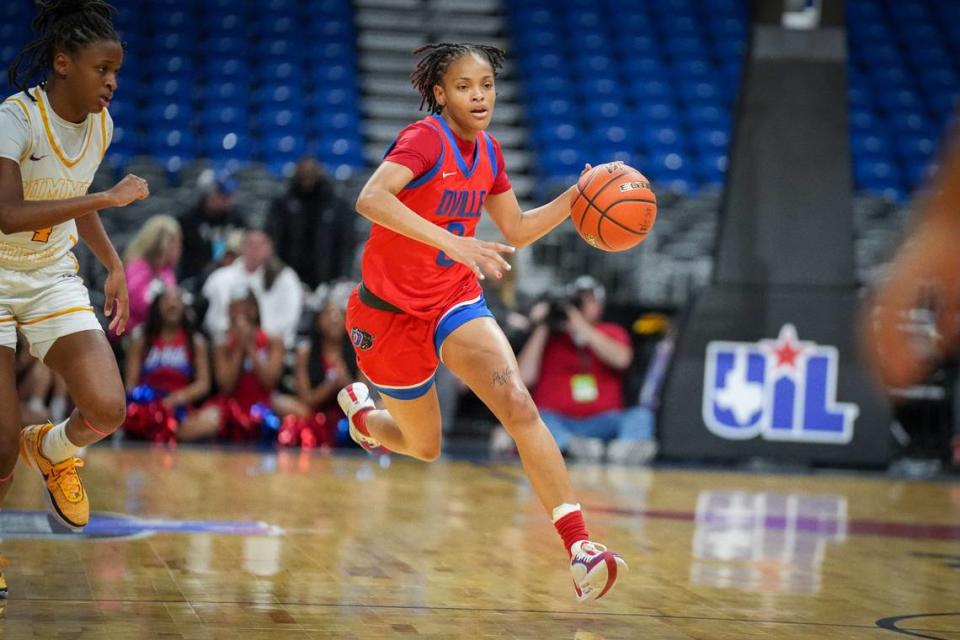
[277,287]
[53,137]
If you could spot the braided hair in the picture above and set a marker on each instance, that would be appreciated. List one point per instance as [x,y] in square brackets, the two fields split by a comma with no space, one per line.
[61,25]
[437,58]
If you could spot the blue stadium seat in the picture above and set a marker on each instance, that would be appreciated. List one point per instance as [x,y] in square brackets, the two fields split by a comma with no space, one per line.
[285,120]
[336,123]
[169,115]
[222,117]
[170,142]
[224,147]
[225,68]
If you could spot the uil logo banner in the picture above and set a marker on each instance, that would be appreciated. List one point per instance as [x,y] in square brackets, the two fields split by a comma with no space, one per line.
[783,390]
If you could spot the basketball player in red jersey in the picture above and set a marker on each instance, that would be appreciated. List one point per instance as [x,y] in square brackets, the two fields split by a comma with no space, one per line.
[420,300]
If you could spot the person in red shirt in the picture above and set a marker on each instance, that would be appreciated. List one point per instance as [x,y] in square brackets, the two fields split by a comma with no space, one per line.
[577,374]
[420,301]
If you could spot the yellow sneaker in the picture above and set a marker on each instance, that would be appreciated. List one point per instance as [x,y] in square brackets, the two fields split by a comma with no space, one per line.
[64,489]
[3,583]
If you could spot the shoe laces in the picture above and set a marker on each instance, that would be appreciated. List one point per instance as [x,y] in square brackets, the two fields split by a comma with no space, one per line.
[64,476]
[589,549]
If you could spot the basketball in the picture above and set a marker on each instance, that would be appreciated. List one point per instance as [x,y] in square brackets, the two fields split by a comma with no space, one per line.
[614,208]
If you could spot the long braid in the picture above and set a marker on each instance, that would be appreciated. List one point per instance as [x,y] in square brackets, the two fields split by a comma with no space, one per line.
[61,25]
[437,58]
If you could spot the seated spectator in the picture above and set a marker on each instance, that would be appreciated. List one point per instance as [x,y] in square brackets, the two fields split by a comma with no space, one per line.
[150,263]
[207,224]
[325,364]
[275,285]
[167,372]
[247,365]
[313,227]
[575,365]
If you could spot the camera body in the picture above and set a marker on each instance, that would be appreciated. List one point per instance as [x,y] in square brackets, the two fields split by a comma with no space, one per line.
[558,301]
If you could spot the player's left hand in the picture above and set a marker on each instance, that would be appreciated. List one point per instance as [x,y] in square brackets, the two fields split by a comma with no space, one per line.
[480,255]
[117,304]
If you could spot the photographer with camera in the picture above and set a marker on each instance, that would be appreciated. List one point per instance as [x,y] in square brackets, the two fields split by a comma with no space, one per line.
[575,365]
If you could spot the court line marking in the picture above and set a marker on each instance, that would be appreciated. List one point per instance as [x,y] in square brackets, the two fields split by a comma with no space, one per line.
[353,605]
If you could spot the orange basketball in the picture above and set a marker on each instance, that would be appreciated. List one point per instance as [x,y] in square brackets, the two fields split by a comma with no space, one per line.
[614,208]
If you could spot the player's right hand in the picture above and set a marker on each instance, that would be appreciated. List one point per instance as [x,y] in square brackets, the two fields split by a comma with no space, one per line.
[127,190]
[480,256]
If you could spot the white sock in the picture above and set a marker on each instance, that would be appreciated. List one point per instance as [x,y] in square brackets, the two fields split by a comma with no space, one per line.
[56,446]
[564,509]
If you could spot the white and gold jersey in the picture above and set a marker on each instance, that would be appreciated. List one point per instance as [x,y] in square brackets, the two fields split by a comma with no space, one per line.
[58,160]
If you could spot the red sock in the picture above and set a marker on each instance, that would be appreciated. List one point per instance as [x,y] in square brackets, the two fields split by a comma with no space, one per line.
[572,529]
[360,420]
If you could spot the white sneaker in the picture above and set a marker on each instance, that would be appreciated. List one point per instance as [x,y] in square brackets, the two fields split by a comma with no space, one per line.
[353,398]
[585,449]
[631,452]
[595,570]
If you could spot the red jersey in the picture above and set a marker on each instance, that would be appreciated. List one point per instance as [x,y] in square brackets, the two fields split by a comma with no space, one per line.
[168,366]
[417,278]
[574,382]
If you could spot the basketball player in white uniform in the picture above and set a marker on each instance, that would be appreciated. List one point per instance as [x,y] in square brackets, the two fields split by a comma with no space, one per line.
[52,140]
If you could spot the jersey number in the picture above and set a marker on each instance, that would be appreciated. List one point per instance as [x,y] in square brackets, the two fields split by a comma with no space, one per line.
[42,235]
[457,229]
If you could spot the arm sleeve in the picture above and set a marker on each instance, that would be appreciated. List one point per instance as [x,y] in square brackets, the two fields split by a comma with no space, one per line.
[15,140]
[417,148]
[501,182]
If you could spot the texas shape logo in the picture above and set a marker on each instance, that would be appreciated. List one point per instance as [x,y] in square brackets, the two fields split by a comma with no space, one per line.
[783,390]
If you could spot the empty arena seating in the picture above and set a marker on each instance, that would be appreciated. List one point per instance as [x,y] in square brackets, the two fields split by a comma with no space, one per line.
[653,83]
[232,81]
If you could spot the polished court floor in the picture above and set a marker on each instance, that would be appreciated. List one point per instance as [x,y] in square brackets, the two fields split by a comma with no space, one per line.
[195,543]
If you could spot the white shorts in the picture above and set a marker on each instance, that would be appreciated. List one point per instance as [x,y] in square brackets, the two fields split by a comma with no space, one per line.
[44,304]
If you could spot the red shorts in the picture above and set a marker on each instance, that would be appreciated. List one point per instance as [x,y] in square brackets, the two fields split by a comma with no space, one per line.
[398,352]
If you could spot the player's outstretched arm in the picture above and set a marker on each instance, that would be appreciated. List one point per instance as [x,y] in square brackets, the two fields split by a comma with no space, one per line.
[378,203]
[927,264]
[17,214]
[521,228]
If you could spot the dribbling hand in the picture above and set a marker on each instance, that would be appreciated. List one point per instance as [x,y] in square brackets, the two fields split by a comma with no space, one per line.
[129,189]
[480,256]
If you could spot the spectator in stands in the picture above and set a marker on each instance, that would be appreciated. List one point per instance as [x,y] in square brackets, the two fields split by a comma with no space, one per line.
[247,365]
[276,286]
[167,371]
[325,364]
[575,363]
[312,227]
[206,225]
[150,262]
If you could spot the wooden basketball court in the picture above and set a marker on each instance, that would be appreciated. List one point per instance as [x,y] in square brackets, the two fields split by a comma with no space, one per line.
[196,544]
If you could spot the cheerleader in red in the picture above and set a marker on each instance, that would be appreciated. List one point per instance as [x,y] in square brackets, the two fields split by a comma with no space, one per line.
[167,370]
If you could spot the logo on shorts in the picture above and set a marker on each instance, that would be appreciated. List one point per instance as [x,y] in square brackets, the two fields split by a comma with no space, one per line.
[361,339]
